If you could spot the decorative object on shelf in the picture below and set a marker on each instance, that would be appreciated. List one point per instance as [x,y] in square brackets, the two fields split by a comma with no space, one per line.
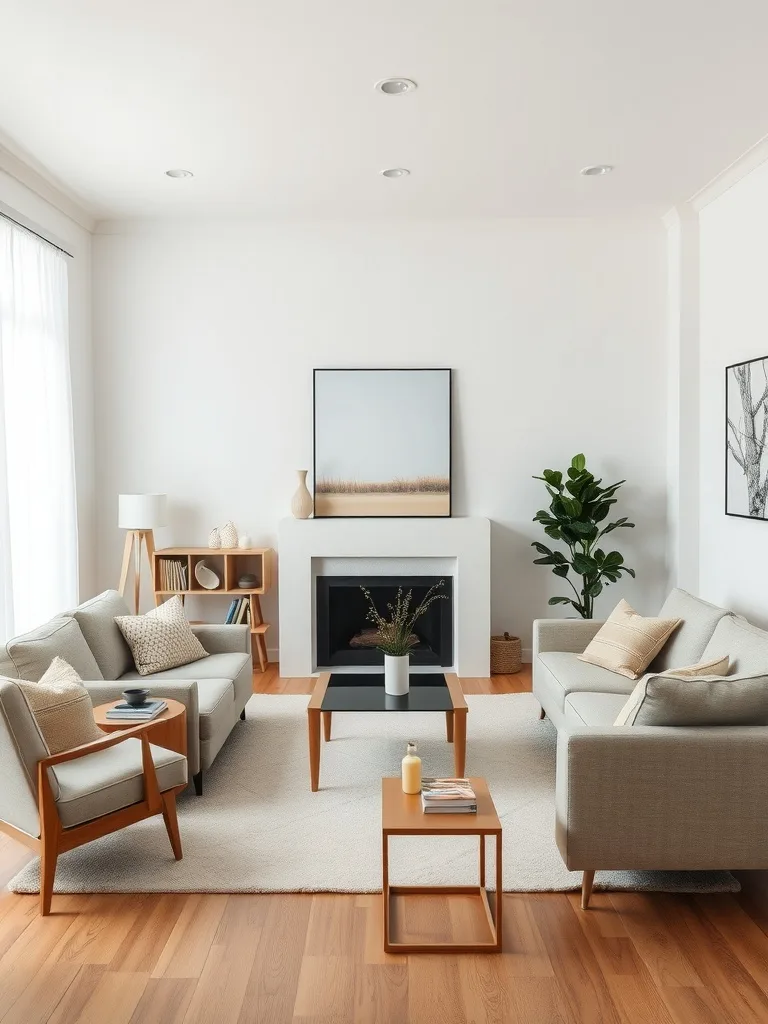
[244,541]
[139,514]
[746,425]
[382,442]
[301,502]
[396,636]
[576,518]
[411,769]
[228,535]
[505,655]
[135,697]
[214,538]
[206,577]
[248,581]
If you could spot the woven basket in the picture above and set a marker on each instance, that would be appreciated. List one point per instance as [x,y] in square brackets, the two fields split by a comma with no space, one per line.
[505,655]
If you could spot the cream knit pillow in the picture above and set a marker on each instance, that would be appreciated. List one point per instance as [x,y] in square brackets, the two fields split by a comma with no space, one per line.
[627,642]
[162,639]
[62,707]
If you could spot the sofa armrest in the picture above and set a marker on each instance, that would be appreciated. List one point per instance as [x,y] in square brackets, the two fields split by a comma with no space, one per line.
[103,691]
[570,635]
[656,798]
[220,639]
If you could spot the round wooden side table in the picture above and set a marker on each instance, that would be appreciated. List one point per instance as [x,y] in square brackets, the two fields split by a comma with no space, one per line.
[168,730]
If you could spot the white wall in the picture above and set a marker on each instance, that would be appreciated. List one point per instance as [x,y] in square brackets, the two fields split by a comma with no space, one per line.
[734,327]
[15,199]
[206,336]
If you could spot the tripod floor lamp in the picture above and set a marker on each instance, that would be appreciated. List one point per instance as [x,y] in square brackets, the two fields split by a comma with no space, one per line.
[139,514]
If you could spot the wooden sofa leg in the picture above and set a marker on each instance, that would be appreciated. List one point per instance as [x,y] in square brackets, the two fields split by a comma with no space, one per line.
[198,781]
[587,879]
[48,856]
[172,823]
[542,713]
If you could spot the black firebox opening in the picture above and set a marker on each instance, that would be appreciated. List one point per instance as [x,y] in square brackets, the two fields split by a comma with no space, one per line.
[342,626]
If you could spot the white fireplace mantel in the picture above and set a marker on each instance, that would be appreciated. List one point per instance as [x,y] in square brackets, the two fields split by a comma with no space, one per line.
[464,542]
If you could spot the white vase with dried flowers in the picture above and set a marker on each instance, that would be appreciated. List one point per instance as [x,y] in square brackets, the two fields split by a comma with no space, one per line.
[395,635]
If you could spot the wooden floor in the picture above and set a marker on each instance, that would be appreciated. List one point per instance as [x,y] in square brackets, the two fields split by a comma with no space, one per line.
[272,959]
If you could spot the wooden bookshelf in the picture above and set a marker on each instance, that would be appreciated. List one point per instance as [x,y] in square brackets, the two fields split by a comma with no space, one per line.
[229,564]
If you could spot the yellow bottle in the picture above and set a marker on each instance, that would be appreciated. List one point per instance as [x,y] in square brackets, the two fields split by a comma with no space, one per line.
[411,770]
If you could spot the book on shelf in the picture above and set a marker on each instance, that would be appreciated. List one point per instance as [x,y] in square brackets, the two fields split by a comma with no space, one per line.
[129,713]
[240,619]
[448,796]
[230,613]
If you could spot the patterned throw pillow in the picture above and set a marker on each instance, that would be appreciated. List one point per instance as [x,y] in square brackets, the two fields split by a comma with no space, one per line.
[162,639]
[627,642]
[62,708]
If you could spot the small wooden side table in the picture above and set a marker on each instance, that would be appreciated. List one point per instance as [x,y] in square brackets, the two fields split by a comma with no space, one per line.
[168,730]
[401,815]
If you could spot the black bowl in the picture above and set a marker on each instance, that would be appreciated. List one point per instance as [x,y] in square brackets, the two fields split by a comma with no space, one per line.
[136,698]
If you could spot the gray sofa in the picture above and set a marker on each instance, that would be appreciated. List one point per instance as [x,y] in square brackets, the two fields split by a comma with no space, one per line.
[653,797]
[214,690]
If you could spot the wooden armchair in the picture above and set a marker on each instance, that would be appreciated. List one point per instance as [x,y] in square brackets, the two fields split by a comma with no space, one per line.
[54,803]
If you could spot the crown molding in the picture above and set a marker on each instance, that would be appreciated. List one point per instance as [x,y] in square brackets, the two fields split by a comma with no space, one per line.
[45,186]
[732,174]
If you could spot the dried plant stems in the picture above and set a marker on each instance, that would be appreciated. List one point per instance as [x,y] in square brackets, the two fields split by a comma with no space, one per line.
[395,634]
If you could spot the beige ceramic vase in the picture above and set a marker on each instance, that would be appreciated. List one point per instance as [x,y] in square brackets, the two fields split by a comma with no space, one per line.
[301,503]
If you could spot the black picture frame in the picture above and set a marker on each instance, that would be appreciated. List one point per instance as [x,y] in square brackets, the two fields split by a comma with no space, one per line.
[383,370]
[744,452]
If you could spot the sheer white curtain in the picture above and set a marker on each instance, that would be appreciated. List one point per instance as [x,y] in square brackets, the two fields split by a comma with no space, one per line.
[38,511]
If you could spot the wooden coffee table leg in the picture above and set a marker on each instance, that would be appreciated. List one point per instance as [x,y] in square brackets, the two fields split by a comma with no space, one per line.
[459,742]
[449,726]
[313,725]
[482,861]
[327,725]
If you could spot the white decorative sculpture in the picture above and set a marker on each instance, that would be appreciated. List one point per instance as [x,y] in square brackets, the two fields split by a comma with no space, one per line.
[228,534]
[301,503]
[214,538]
[244,541]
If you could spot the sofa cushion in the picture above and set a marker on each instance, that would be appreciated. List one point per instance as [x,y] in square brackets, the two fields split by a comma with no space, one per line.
[687,643]
[567,674]
[215,666]
[598,709]
[745,644]
[96,619]
[706,701]
[627,642]
[162,639]
[62,708]
[217,706]
[96,784]
[712,667]
[29,656]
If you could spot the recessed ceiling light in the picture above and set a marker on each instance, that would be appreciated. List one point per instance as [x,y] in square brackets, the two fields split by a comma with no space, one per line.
[596,169]
[395,86]
[395,172]
[177,172]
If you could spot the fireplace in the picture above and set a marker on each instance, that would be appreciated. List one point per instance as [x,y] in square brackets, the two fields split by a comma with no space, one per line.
[343,632]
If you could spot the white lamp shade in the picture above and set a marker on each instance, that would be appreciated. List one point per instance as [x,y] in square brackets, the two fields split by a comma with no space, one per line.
[141,511]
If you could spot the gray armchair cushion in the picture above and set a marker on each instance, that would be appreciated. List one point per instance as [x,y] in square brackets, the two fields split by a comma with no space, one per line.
[30,655]
[21,747]
[97,784]
[687,643]
[96,619]
[745,645]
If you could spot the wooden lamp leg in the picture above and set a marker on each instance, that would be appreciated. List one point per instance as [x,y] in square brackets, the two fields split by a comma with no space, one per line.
[136,571]
[126,561]
[149,543]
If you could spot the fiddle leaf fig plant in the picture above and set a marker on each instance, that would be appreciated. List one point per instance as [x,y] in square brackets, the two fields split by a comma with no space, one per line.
[576,514]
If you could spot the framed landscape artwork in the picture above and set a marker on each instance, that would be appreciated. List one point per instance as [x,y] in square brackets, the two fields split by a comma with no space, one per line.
[382,442]
[746,437]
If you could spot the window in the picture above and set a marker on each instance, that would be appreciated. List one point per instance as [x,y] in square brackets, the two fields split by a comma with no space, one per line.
[38,512]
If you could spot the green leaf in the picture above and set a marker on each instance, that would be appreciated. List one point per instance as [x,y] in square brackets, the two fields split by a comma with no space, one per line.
[585,529]
[559,600]
[595,589]
[554,532]
[630,571]
[613,558]
[572,506]
[561,570]
[541,548]
[546,560]
[578,462]
[584,565]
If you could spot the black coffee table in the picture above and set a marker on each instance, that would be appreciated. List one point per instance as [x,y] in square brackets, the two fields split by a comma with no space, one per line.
[429,691]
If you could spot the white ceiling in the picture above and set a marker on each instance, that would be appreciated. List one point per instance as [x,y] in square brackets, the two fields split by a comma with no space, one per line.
[271,103]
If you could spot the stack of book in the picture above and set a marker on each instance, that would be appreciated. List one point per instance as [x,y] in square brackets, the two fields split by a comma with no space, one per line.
[239,612]
[131,713]
[173,574]
[448,796]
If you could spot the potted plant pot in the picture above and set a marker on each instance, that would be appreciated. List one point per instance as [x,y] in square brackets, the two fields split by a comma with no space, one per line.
[396,674]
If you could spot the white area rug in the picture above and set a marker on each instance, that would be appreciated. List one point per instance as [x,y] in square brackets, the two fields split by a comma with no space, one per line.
[258,828]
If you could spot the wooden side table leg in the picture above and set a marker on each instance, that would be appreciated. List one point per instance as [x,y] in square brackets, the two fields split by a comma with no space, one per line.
[449,726]
[459,742]
[313,724]
[385,887]
[482,862]
[327,725]
[499,892]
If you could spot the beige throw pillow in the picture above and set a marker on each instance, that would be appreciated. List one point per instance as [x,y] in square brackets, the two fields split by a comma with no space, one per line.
[627,642]
[715,667]
[162,639]
[62,708]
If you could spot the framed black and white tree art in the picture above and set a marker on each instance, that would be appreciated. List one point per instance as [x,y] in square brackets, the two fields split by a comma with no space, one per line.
[746,439]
